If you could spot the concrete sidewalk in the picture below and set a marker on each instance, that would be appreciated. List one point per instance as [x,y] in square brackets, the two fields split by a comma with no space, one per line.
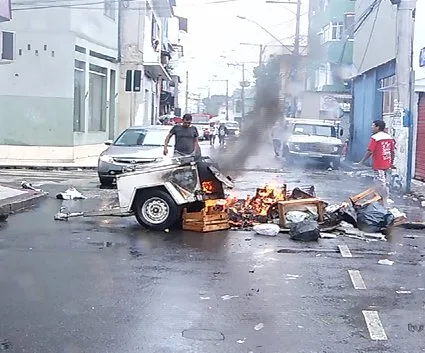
[14,200]
[83,163]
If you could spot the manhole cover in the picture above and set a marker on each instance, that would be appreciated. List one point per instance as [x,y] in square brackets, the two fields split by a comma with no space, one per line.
[203,335]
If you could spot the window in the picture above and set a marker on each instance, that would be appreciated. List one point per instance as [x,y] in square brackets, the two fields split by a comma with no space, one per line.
[315,130]
[97,98]
[79,96]
[143,137]
[349,23]
[388,88]
[333,31]
[109,8]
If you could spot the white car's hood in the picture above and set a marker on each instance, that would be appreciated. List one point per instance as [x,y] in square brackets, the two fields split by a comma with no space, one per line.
[314,139]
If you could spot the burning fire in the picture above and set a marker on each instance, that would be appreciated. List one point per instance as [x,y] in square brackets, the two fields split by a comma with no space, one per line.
[207,187]
[260,208]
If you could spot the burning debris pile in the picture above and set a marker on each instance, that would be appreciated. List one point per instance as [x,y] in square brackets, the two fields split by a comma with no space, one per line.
[263,206]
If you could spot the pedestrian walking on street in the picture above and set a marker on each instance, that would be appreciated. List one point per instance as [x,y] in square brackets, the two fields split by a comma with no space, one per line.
[382,150]
[222,133]
[186,139]
[278,133]
[214,133]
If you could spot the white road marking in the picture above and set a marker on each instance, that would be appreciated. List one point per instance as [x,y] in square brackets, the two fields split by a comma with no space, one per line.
[357,279]
[374,325]
[345,251]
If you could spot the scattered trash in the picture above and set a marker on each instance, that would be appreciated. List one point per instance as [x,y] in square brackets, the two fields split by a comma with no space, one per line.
[28,186]
[5,344]
[289,277]
[228,297]
[413,225]
[270,230]
[399,217]
[328,235]
[241,341]
[62,215]
[205,298]
[71,194]
[305,231]
[376,236]
[403,292]
[422,203]
[386,262]
[259,326]
[251,271]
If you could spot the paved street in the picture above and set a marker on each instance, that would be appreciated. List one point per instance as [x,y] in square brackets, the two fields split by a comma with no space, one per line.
[106,285]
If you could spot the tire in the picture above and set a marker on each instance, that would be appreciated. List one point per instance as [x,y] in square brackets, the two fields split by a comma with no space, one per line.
[336,163]
[155,210]
[106,181]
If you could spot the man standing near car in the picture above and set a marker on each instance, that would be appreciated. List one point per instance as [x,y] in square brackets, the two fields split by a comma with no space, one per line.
[186,139]
[382,149]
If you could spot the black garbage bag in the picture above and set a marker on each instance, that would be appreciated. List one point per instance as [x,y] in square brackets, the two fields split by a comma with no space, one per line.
[349,215]
[374,218]
[307,230]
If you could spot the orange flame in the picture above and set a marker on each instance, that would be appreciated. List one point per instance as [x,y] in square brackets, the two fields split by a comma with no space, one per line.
[207,187]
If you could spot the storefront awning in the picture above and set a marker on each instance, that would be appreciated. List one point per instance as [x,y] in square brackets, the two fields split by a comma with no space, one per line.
[157,70]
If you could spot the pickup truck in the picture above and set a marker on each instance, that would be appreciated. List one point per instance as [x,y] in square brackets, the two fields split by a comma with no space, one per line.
[315,139]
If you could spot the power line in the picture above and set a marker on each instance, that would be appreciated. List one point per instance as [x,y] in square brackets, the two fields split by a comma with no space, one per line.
[47,4]
[371,34]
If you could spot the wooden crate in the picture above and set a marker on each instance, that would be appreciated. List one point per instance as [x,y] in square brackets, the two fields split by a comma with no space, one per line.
[365,198]
[203,223]
[285,206]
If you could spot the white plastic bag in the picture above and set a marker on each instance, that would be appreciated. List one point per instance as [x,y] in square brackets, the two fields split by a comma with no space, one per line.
[270,230]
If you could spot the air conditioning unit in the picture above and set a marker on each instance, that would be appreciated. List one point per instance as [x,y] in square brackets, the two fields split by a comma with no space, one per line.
[7,47]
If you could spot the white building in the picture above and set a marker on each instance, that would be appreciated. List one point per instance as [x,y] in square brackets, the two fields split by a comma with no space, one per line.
[58,97]
[146,84]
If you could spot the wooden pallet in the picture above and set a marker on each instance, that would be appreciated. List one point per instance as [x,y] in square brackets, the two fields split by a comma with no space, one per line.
[365,198]
[285,206]
[203,223]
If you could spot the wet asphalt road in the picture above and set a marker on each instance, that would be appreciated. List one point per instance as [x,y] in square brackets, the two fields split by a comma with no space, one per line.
[106,285]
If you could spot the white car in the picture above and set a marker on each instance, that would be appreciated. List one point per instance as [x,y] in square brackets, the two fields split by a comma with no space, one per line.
[315,139]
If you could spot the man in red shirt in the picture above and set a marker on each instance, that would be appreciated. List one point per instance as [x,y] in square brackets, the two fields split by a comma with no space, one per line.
[381,148]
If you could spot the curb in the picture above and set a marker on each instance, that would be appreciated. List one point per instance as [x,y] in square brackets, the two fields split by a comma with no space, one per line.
[48,167]
[19,203]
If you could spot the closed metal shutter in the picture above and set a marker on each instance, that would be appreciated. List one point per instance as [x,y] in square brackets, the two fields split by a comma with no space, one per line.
[420,140]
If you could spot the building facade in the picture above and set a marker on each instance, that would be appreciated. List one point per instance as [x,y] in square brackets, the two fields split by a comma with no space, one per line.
[149,56]
[374,85]
[330,61]
[59,102]
[5,10]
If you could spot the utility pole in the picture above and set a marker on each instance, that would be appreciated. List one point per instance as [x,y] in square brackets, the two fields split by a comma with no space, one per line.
[296,58]
[243,93]
[187,92]
[293,77]
[227,100]
[260,60]
[402,123]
